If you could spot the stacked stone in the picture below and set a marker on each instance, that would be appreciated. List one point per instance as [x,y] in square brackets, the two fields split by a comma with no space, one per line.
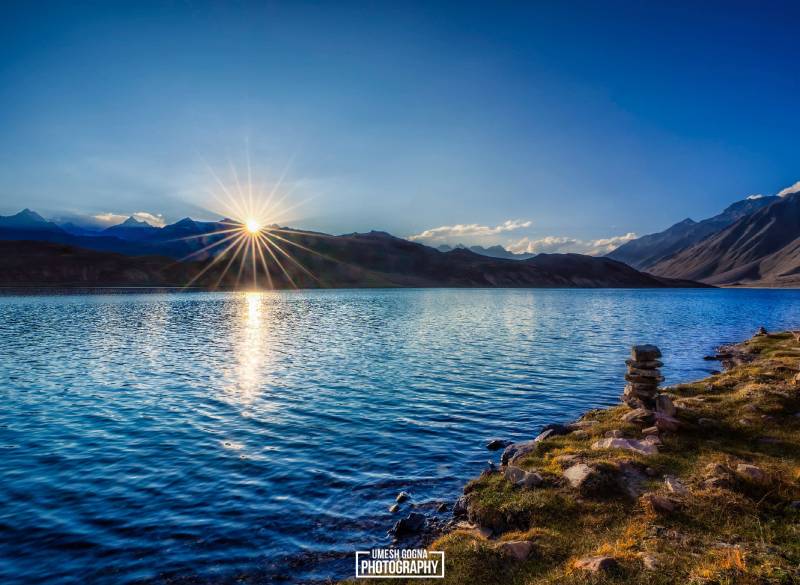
[643,377]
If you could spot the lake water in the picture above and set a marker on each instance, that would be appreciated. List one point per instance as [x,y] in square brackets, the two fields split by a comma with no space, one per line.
[215,437]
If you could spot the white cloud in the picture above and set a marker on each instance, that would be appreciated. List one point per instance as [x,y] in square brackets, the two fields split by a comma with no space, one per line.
[561,244]
[753,197]
[789,190]
[457,232]
[110,219]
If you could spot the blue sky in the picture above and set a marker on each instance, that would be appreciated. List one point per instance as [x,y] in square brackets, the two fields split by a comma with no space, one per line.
[570,121]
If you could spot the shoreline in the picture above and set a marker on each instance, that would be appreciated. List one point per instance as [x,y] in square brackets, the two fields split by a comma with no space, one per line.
[629,495]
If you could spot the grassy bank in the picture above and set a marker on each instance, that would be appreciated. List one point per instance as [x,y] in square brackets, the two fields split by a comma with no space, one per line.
[718,503]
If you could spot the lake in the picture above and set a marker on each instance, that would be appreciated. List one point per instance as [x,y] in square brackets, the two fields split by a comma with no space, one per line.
[261,437]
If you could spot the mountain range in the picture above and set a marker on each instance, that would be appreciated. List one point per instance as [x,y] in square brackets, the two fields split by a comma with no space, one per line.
[754,242]
[35,252]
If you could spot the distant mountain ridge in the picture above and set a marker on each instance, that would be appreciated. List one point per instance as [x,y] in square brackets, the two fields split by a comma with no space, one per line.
[645,252]
[42,257]
[492,251]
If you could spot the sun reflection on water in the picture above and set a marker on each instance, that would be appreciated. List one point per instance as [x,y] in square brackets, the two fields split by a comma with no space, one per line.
[251,347]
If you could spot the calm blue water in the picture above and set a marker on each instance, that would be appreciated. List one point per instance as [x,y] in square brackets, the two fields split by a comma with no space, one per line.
[262,436]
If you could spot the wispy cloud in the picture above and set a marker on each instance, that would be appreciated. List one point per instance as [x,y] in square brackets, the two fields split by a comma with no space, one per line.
[789,190]
[455,233]
[562,244]
[109,218]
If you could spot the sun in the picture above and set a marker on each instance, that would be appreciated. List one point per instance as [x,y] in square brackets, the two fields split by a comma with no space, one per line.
[252,226]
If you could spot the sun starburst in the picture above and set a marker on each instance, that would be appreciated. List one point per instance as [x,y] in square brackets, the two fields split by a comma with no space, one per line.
[250,239]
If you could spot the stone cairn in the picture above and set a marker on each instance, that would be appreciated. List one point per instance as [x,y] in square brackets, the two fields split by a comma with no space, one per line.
[643,377]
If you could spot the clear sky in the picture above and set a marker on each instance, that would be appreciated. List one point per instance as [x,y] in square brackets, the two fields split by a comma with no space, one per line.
[564,120]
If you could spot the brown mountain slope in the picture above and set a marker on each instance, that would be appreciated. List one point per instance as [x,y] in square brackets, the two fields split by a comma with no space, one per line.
[762,249]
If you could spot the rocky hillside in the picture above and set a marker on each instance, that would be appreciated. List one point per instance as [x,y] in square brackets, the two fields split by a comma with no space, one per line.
[645,252]
[700,486]
[762,249]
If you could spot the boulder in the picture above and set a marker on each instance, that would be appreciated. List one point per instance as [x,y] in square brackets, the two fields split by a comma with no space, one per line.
[644,373]
[653,440]
[394,508]
[577,474]
[518,550]
[521,478]
[650,430]
[614,434]
[543,435]
[761,331]
[496,444]
[517,450]
[644,353]
[580,435]
[401,497]
[411,525]
[441,508]
[598,564]
[664,405]
[641,447]
[751,473]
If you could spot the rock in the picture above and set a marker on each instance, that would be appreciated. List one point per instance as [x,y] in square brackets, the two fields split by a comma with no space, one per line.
[580,435]
[653,440]
[543,435]
[519,550]
[659,504]
[761,331]
[717,476]
[590,481]
[521,478]
[796,380]
[707,423]
[394,508]
[441,508]
[751,473]
[615,434]
[638,416]
[630,480]
[647,374]
[646,365]
[496,444]
[460,507]
[664,405]
[667,423]
[578,474]
[517,450]
[650,430]
[412,524]
[557,429]
[644,353]
[490,468]
[675,486]
[641,447]
[600,564]
[401,497]
[649,562]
